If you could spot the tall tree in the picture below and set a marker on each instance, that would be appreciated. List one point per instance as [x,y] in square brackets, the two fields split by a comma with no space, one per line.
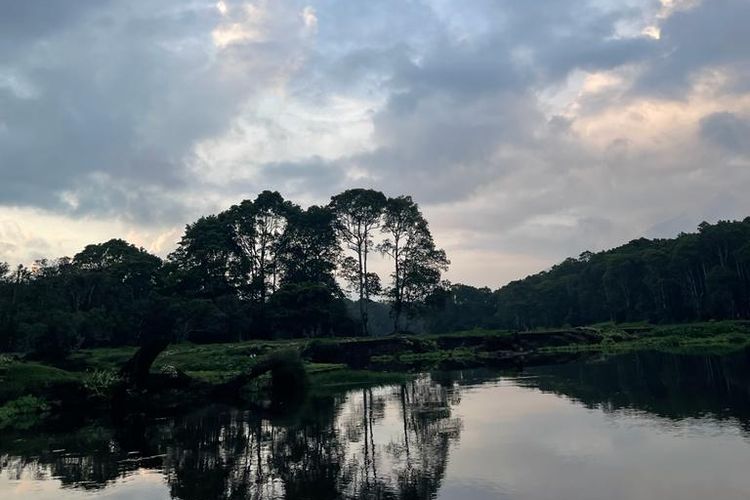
[112,284]
[417,263]
[7,326]
[259,230]
[310,252]
[358,216]
[203,258]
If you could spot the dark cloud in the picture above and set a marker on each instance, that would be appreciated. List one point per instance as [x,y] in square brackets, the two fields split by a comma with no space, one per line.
[711,35]
[25,22]
[456,100]
[315,177]
[119,102]
[727,131]
[148,112]
[124,91]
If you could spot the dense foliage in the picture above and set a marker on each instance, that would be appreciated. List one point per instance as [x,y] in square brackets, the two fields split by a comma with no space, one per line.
[263,268]
[696,276]
[267,268]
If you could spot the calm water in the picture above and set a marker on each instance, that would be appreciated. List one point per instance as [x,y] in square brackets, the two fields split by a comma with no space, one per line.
[642,426]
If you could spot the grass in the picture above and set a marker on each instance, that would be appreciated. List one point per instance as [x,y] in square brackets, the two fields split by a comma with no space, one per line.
[18,379]
[218,376]
[23,413]
[476,332]
[104,358]
[461,353]
[719,337]
[96,369]
[229,358]
[234,356]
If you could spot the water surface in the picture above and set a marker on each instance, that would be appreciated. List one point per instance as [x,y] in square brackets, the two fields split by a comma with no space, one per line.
[638,427]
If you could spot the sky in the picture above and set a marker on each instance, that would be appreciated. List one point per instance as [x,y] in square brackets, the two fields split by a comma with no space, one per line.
[527,131]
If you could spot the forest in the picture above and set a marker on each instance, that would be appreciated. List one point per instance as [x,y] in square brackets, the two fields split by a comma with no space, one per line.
[694,277]
[268,269]
[264,268]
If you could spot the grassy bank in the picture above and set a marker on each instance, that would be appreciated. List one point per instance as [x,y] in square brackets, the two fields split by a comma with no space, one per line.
[721,337]
[31,390]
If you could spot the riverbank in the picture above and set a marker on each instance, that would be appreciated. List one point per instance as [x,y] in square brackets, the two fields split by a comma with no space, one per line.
[32,392]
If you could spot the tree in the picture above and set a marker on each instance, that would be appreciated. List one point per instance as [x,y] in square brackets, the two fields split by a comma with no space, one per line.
[308,310]
[201,263]
[259,231]
[358,214]
[109,286]
[311,252]
[115,265]
[417,263]
[6,313]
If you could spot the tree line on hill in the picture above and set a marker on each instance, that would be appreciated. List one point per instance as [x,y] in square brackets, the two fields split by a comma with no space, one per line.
[265,268]
[694,277]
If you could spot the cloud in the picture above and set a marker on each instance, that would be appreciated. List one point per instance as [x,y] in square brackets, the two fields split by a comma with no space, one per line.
[528,131]
[706,35]
[119,94]
[28,234]
[727,131]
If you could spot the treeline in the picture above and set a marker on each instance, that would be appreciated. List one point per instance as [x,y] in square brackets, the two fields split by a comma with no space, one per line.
[267,268]
[264,268]
[696,276]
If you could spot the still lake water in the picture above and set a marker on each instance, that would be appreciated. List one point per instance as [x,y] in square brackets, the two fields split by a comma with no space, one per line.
[640,426]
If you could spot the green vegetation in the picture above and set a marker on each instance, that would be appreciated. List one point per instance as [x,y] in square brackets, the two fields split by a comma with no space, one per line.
[263,269]
[101,383]
[18,379]
[102,358]
[699,338]
[23,413]
[336,364]
[695,277]
[268,271]
[250,299]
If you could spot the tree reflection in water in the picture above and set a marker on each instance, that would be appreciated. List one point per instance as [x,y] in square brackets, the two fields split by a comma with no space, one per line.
[375,443]
[670,386]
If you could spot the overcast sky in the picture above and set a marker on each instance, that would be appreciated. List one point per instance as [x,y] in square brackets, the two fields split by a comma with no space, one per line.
[528,131]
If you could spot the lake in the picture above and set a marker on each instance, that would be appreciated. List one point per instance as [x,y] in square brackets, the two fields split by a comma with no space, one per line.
[640,426]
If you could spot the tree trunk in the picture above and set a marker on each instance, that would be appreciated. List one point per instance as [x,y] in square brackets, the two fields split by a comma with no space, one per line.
[136,369]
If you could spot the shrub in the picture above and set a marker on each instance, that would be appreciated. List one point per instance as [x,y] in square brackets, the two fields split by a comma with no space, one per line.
[288,378]
[23,413]
[6,359]
[101,383]
[169,370]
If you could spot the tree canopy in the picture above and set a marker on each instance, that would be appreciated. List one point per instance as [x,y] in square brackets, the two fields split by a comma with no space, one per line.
[268,268]
[693,277]
[262,268]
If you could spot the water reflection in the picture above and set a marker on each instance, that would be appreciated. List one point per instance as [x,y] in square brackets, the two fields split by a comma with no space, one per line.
[672,386]
[372,443]
[395,442]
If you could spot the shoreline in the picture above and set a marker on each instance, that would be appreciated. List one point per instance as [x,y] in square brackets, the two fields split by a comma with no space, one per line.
[33,393]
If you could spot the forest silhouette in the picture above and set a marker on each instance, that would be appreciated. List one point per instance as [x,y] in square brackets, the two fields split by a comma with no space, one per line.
[267,268]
